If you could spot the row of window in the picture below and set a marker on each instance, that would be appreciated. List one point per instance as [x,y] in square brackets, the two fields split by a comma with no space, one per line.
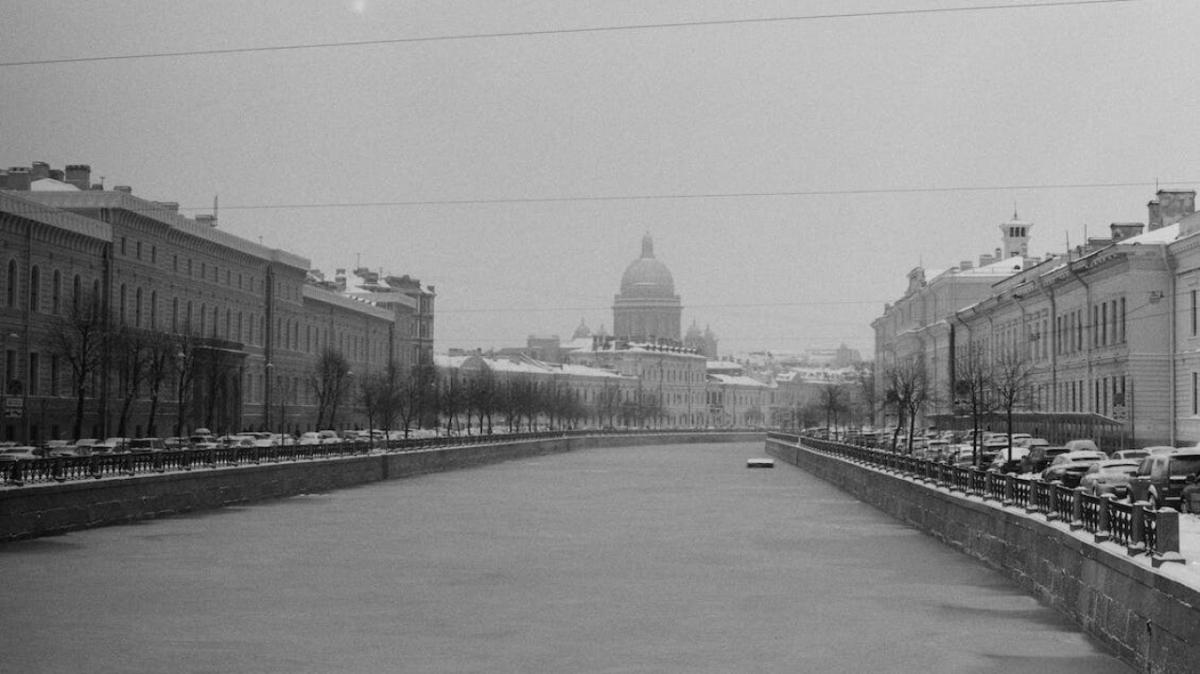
[1106,327]
[188,266]
[1100,397]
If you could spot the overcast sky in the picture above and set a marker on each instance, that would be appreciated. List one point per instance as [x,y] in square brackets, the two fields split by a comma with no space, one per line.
[811,120]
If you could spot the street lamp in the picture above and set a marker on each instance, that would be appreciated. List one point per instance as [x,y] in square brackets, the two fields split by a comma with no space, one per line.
[268,385]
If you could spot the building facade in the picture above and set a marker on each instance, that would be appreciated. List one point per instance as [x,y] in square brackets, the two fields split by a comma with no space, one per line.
[236,326]
[1106,336]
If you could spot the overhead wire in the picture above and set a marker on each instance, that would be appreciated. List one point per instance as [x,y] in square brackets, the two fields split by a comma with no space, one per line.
[559,31]
[691,196]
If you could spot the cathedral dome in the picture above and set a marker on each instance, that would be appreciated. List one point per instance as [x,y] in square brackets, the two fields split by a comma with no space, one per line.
[646,276]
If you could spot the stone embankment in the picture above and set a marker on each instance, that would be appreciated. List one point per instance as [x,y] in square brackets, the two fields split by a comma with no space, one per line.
[40,509]
[1148,618]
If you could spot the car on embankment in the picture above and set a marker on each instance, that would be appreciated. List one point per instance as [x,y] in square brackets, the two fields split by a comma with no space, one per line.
[1068,468]
[1160,478]
[1109,477]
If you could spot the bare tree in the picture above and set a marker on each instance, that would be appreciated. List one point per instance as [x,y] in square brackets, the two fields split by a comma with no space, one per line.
[79,340]
[452,396]
[160,362]
[187,350]
[832,398]
[129,363]
[864,375]
[908,387]
[974,388]
[330,382]
[482,392]
[1012,383]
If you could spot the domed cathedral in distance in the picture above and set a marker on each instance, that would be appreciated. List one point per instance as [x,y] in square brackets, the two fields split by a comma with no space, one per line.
[647,308]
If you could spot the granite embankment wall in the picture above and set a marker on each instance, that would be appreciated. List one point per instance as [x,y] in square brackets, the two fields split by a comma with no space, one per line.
[1146,617]
[45,509]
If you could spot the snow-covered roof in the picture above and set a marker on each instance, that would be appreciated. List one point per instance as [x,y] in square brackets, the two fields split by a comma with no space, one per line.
[311,292]
[736,380]
[94,199]
[15,202]
[51,185]
[1161,235]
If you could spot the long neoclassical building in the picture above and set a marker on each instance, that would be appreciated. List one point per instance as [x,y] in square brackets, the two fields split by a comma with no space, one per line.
[249,317]
[1108,333]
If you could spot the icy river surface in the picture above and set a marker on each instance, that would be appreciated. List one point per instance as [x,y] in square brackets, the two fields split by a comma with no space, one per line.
[655,559]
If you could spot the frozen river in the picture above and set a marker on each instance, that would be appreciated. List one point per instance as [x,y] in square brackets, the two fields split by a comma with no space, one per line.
[658,559]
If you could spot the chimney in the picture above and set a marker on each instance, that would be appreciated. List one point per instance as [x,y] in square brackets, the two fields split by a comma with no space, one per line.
[985,260]
[123,188]
[79,175]
[56,174]
[1124,230]
[1154,221]
[339,279]
[204,218]
[18,178]
[965,265]
[172,206]
[1174,205]
[40,170]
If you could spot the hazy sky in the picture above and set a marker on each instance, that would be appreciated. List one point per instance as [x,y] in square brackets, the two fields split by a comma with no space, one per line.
[324,151]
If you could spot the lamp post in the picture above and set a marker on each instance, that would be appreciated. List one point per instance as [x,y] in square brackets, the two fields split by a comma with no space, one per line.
[267,387]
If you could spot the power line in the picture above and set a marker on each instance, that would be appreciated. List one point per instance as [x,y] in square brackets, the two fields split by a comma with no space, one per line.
[558,31]
[690,196]
[736,305]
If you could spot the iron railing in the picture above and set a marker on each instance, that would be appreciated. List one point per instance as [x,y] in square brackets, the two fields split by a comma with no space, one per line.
[1136,526]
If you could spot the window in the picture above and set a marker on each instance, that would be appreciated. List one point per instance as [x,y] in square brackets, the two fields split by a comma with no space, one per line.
[56,293]
[1195,394]
[1122,320]
[138,250]
[174,314]
[153,254]
[121,305]
[203,318]
[175,263]
[11,290]
[76,293]
[137,308]
[35,284]
[153,310]
[123,245]
[54,375]
[1193,312]
[216,321]
[34,374]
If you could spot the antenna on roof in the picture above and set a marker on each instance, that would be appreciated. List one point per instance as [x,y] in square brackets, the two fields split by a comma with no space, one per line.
[215,198]
[1015,210]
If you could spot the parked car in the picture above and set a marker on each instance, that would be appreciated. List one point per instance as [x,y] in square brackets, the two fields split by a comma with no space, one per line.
[202,439]
[1068,468]
[1006,464]
[1109,477]
[1082,444]
[1160,478]
[328,437]
[1160,449]
[1039,458]
[147,445]
[1130,454]
[17,453]
[310,438]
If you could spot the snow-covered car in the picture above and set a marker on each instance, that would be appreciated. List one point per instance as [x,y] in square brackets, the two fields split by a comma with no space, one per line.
[18,453]
[1069,468]
[309,438]
[1109,477]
